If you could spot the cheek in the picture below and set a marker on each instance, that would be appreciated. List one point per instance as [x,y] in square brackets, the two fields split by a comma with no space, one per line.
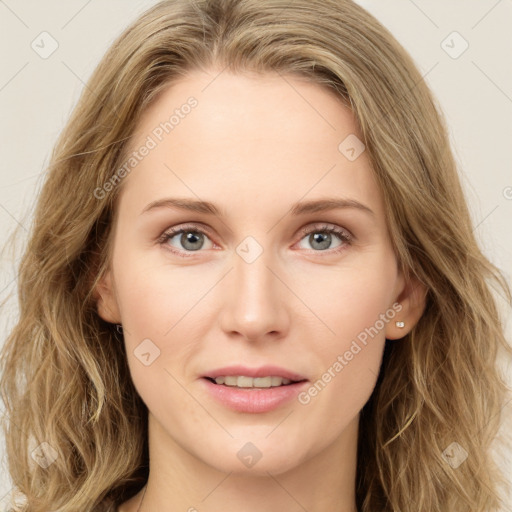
[163,304]
[162,309]
[348,299]
[152,294]
[354,305]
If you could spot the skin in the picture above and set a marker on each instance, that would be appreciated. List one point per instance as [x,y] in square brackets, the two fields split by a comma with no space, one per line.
[254,145]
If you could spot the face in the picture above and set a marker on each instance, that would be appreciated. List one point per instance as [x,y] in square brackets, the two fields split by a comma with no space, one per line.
[268,279]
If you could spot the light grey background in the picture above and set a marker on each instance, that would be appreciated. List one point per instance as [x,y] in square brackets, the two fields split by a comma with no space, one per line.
[474,90]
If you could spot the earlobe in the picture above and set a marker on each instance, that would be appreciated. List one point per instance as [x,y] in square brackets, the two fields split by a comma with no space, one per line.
[413,302]
[106,302]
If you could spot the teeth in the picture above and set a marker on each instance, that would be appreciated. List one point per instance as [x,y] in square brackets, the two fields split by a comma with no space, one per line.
[242,381]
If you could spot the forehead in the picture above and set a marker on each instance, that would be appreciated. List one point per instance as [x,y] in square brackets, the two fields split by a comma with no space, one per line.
[241,138]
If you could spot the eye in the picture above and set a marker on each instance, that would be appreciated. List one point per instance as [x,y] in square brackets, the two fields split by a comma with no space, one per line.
[191,238]
[185,238]
[320,237]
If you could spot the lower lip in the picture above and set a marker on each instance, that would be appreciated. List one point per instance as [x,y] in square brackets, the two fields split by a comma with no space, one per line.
[253,400]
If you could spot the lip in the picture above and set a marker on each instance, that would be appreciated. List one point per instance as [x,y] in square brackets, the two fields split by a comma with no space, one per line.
[252,400]
[262,371]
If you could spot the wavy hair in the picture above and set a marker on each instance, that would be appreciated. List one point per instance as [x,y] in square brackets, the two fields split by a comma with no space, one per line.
[69,399]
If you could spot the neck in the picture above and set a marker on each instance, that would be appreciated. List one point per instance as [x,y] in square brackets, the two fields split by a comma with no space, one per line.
[180,480]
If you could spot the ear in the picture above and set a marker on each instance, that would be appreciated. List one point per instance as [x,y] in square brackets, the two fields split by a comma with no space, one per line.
[412,299]
[104,293]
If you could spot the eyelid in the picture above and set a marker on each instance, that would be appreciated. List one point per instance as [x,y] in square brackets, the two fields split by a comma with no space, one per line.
[325,226]
[190,226]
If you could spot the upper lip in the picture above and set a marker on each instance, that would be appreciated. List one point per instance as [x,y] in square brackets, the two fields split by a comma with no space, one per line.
[262,371]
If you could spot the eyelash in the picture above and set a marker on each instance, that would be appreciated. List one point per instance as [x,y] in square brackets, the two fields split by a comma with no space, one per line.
[343,235]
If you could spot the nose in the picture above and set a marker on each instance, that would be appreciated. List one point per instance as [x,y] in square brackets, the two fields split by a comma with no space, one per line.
[254,305]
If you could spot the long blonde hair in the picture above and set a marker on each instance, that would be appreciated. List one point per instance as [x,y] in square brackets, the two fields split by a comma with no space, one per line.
[65,380]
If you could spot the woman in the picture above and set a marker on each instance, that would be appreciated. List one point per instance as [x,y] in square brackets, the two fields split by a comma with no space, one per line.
[186,343]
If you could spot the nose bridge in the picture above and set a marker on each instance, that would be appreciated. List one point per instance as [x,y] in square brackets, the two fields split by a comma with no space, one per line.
[255,306]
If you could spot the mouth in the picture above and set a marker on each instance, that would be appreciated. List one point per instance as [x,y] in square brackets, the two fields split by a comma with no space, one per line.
[261,392]
[246,382]
[262,377]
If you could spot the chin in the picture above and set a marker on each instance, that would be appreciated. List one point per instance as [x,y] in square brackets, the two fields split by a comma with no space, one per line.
[256,459]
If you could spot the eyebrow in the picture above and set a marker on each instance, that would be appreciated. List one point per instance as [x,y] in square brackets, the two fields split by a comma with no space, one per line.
[300,208]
